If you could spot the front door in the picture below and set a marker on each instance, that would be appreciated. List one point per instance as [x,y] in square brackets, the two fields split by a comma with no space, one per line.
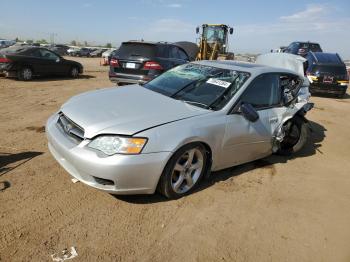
[244,140]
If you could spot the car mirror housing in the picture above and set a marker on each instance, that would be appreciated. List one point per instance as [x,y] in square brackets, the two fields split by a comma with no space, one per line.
[249,112]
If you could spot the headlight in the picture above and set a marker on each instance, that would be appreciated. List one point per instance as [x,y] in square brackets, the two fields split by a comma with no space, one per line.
[111,145]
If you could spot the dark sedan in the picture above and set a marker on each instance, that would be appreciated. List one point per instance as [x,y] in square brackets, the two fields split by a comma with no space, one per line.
[25,62]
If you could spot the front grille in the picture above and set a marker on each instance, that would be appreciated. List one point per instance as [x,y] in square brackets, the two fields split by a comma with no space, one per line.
[70,128]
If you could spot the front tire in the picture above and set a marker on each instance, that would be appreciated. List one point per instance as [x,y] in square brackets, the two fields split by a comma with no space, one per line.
[25,74]
[183,171]
[74,72]
[296,135]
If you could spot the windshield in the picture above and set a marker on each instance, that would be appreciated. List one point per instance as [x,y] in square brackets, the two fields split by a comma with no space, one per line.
[199,85]
[213,34]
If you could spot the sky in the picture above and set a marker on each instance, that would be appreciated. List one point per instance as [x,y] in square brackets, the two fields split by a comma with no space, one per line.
[259,26]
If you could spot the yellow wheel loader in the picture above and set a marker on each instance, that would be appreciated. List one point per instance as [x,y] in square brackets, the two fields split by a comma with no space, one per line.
[213,42]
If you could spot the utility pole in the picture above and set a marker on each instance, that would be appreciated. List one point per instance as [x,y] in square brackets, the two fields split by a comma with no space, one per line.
[52,38]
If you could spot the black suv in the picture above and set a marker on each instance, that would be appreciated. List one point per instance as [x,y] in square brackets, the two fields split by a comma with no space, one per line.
[327,73]
[140,61]
[302,48]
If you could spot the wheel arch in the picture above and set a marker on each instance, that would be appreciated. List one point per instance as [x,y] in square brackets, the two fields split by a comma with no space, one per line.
[190,142]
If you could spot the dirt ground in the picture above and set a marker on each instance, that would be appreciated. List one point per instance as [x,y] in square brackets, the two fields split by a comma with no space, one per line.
[276,209]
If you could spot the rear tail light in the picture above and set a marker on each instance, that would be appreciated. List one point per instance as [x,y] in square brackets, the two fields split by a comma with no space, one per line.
[152,65]
[114,62]
[5,60]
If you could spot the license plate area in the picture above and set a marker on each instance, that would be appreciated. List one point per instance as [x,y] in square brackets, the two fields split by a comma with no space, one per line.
[328,79]
[130,65]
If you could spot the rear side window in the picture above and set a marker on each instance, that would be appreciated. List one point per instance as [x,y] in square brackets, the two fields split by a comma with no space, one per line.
[183,55]
[163,51]
[136,49]
[177,53]
[263,92]
[311,47]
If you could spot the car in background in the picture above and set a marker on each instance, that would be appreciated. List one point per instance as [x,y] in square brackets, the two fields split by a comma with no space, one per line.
[72,51]
[6,43]
[302,48]
[327,73]
[26,62]
[106,56]
[174,130]
[98,52]
[347,64]
[140,61]
[85,52]
[59,49]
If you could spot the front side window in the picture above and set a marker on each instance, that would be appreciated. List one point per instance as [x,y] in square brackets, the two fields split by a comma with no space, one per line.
[199,85]
[48,55]
[263,92]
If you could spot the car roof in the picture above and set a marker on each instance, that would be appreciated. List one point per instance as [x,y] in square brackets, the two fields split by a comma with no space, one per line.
[306,42]
[150,42]
[251,68]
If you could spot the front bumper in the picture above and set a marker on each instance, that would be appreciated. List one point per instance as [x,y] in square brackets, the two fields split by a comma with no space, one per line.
[117,174]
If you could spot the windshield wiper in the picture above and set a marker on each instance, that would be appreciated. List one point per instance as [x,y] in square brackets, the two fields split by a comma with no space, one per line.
[197,103]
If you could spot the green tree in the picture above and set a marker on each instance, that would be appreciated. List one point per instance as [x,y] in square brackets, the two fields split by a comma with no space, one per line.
[86,43]
[73,43]
[42,42]
[29,41]
[109,45]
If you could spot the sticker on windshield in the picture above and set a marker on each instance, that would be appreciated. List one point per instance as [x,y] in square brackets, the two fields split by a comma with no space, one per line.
[218,82]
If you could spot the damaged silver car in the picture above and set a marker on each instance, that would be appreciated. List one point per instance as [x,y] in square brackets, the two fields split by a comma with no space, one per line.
[172,131]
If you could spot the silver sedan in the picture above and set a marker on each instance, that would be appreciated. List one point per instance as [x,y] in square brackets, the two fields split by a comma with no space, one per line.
[172,131]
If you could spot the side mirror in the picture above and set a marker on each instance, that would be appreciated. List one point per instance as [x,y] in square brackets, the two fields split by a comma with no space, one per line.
[197,30]
[249,112]
[231,31]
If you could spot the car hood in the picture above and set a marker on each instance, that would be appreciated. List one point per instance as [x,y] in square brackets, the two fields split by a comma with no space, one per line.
[125,110]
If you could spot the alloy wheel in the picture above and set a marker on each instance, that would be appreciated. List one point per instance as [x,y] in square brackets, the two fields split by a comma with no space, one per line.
[187,170]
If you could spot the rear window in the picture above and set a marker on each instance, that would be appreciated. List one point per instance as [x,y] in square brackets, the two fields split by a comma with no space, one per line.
[330,69]
[136,49]
[328,58]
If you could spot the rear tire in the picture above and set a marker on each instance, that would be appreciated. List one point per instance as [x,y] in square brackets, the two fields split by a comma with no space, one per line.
[183,171]
[25,73]
[296,136]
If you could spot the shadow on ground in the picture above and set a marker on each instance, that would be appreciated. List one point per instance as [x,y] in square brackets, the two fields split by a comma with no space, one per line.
[345,97]
[317,135]
[7,159]
[57,78]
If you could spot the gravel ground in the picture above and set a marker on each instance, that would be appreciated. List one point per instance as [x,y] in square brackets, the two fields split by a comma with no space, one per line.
[276,209]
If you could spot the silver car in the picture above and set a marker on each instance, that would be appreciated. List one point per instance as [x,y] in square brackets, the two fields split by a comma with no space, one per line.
[172,131]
